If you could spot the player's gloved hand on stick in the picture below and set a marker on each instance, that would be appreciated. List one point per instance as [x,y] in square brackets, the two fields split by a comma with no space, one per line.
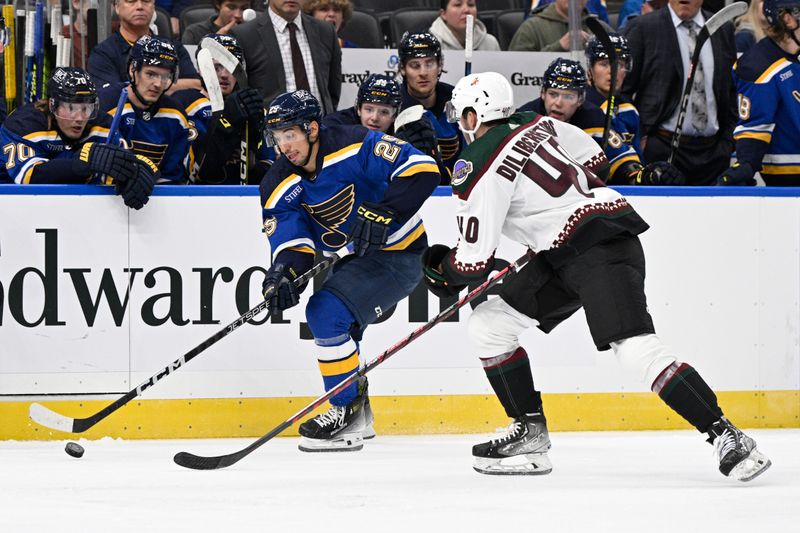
[435,280]
[370,229]
[421,135]
[659,173]
[244,105]
[109,160]
[136,191]
[279,288]
[740,174]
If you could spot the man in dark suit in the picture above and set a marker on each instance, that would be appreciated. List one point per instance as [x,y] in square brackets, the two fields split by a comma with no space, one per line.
[286,50]
[661,43]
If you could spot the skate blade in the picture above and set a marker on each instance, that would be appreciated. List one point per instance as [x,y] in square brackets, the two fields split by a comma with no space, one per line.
[750,467]
[529,464]
[351,442]
[368,433]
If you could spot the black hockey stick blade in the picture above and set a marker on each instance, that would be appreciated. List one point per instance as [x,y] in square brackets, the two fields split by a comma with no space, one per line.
[718,20]
[48,418]
[198,462]
[594,25]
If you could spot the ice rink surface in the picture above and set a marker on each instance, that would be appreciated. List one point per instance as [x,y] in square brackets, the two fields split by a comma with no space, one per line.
[601,482]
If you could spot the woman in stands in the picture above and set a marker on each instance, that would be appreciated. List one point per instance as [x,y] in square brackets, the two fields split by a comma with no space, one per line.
[337,12]
[451,27]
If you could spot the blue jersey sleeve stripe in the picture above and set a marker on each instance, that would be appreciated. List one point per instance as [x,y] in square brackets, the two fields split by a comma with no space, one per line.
[294,243]
[772,70]
[414,159]
[26,171]
[339,155]
[279,191]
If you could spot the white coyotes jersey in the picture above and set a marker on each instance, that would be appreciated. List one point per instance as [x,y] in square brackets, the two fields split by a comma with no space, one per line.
[530,180]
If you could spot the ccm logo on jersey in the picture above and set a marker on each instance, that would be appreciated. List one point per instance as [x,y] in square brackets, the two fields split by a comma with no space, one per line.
[374,217]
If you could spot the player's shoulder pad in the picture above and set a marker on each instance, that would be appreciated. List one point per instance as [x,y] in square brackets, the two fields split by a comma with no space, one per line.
[26,120]
[336,137]
[588,115]
[281,185]
[191,101]
[761,62]
[109,96]
[533,106]
[345,117]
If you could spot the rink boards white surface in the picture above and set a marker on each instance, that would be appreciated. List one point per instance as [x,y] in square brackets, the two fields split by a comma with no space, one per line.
[601,482]
[723,286]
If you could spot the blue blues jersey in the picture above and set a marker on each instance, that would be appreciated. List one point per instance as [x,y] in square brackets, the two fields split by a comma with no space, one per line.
[309,213]
[160,133]
[768,132]
[197,109]
[625,120]
[344,117]
[450,138]
[592,120]
[29,137]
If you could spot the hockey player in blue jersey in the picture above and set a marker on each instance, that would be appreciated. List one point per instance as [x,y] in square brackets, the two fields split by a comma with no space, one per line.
[58,140]
[563,98]
[330,186]
[153,123]
[217,149]
[767,81]
[421,64]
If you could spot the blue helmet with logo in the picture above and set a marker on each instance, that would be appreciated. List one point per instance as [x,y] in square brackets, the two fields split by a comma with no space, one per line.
[419,44]
[773,8]
[595,51]
[379,89]
[152,50]
[297,108]
[565,74]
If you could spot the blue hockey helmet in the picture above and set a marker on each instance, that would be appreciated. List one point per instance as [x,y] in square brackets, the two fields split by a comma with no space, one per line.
[772,10]
[230,43]
[151,50]
[379,89]
[72,85]
[595,51]
[419,44]
[297,108]
[565,74]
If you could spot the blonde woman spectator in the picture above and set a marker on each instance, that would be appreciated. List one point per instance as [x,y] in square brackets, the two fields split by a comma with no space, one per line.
[451,26]
[337,12]
[750,27]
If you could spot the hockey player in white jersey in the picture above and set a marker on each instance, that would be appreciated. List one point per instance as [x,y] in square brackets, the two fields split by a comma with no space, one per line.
[530,178]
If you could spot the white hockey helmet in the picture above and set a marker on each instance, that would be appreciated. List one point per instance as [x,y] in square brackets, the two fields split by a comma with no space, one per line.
[489,94]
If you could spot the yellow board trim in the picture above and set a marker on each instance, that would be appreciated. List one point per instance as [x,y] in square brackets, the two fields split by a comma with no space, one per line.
[394,415]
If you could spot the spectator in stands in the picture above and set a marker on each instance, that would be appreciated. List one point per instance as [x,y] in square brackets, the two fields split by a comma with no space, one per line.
[229,14]
[633,8]
[767,80]
[303,49]
[174,9]
[74,31]
[548,30]
[421,64]
[108,62]
[661,44]
[750,27]
[595,7]
[337,12]
[451,27]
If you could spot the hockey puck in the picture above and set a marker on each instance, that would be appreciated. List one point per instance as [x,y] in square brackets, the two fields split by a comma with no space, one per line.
[74,449]
[248,15]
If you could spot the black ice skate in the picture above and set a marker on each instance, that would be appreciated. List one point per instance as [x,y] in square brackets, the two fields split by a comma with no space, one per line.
[737,454]
[521,451]
[341,429]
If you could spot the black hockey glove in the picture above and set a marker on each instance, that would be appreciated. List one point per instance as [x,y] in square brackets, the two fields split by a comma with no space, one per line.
[435,280]
[660,173]
[136,191]
[421,135]
[109,160]
[370,229]
[279,288]
[244,105]
[740,174]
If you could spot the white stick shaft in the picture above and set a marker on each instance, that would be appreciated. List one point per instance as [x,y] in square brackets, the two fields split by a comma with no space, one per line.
[468,40]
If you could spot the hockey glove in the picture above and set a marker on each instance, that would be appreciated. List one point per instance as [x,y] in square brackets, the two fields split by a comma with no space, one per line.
[660,173]
[109,160]
[370,229]
[740,174]
[435,280]
[136,191]
[279,288]
[421,135]
[242,106]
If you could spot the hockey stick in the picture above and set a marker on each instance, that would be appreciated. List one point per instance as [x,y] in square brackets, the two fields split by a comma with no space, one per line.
[221,55]
[49,418]
[723,16]
[9,58]
[30,24]
[602,35]
[468,45]
[205,64]
[38,50]
[188,460]
[91,25]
